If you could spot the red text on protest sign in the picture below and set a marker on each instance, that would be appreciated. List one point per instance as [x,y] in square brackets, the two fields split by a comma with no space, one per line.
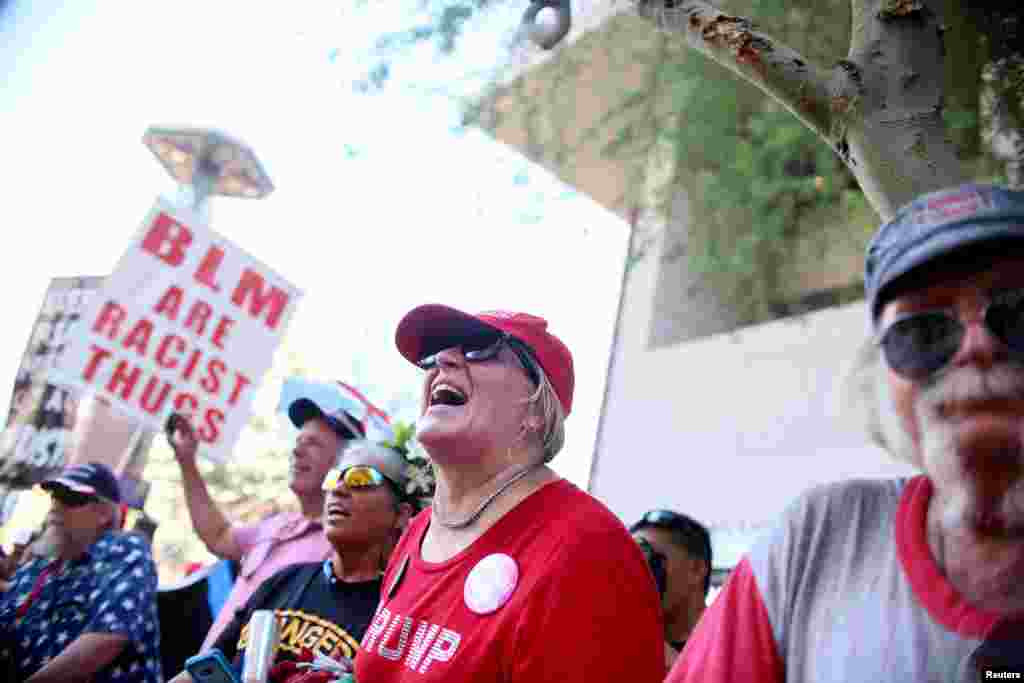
[169,240]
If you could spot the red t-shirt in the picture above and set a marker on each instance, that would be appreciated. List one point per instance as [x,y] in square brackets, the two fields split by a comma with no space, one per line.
[584,607]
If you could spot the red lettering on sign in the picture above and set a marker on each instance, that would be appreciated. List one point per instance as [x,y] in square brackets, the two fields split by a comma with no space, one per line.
[214,371]
[99,354]
[211,430]
[147,402]
[109,320]
[167,239]
[250,286]
[161,351]
[207,273]
[213,419]
[197,317]
[221,331]
[124,379]
[241,382]
[170,302]
[186,403]
[139,336]
[190,367]
[156,391]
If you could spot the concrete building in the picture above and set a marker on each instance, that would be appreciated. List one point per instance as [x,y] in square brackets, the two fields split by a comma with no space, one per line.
[725,422]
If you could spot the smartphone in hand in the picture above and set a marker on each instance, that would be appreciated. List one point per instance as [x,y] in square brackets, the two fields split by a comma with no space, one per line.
[210,667]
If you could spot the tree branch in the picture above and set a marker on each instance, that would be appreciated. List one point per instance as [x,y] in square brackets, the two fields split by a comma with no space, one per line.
[880,109]
[1000,128]
[897,143]
[776,69]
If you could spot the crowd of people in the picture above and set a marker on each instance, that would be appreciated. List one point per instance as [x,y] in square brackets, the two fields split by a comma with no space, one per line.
[512,573]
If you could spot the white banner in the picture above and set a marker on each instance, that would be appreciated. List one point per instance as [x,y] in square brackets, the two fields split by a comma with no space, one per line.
[335,396]
[40,435]
[187,322]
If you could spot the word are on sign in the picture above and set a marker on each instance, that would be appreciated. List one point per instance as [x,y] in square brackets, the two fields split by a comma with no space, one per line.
[188,322]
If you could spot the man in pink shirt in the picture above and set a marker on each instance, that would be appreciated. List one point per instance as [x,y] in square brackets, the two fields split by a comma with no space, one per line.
[280,540]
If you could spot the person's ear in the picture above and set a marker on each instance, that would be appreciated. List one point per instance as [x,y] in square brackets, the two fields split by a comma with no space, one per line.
[112,517]
[699,570]
[405,513]
[532,423]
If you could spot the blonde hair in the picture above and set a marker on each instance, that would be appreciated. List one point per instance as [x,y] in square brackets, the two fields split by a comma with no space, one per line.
[867,401]
[549,408]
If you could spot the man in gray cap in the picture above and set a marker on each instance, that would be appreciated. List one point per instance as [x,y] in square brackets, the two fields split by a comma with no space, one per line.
[283,539]
[922,578]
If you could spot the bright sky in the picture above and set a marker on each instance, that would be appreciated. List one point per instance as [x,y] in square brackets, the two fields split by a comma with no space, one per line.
[415,214]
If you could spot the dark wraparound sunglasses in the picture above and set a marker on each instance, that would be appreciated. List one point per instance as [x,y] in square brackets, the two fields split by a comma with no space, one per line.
[656,561]
[74,499]
[486,348]
[917,345]
[695,538]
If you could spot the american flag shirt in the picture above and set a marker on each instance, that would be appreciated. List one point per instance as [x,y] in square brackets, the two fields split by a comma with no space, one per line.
[110,589]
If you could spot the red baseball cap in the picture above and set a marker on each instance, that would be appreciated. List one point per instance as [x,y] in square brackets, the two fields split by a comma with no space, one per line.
[427,329]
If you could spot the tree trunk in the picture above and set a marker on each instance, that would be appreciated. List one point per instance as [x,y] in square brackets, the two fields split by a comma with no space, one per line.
[1000,128]
[880,109]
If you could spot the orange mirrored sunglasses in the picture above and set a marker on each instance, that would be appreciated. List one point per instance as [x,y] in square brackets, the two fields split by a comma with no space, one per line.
[354,477]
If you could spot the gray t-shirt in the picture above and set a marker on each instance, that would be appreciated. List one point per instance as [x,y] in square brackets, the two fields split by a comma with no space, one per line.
[844,589]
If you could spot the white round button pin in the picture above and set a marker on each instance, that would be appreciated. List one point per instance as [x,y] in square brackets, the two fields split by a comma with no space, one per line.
[491,583]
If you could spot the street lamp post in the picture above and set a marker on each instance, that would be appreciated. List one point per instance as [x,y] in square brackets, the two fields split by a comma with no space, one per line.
[208,162]
[204,162]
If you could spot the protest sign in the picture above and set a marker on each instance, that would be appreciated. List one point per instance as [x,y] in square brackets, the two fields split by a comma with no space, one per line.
[50,426]
[187,322]
[38,436]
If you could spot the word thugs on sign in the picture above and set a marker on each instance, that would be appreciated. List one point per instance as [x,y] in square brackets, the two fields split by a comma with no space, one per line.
[187,322]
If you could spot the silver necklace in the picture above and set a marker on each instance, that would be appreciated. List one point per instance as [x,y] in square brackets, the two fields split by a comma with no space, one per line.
[463,523]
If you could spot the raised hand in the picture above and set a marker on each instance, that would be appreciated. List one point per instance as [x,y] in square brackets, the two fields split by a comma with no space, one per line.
[181,436]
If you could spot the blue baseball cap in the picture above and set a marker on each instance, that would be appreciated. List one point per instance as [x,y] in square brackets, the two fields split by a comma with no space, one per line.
[935,225]
[341,422]
[92,478]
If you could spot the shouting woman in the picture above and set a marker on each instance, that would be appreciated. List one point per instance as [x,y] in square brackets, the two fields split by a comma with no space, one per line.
[326,607]
[513,574]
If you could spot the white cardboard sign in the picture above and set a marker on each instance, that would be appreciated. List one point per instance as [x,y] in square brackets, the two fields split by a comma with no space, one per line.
[187,322]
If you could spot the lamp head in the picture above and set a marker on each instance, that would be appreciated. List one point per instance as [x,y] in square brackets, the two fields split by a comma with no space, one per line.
[226,165]
[546,22]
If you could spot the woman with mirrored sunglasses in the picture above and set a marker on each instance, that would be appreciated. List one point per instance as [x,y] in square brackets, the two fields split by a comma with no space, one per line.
[513,574]
[365,511]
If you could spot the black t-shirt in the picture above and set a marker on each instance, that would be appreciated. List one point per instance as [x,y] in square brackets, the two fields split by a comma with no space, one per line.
[315,610]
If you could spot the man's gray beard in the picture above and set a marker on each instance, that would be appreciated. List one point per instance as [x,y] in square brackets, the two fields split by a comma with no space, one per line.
[962,509]
[866,401]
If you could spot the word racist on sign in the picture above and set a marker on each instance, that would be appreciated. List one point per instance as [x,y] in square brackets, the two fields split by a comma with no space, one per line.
[187,323]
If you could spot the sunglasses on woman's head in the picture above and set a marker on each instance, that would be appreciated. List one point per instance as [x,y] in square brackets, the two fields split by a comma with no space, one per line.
[354,477]
[486,348]
[917,345]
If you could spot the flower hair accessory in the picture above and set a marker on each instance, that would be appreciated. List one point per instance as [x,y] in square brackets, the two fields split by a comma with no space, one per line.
[418,469]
